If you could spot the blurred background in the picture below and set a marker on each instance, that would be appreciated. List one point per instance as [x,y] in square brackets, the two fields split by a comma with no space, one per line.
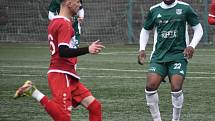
[112,21]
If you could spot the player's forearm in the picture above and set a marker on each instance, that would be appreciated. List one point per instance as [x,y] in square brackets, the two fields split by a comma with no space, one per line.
[67,52]
[144,37]
[198,33]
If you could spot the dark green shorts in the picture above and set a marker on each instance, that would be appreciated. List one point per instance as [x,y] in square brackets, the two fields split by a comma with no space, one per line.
[169,68]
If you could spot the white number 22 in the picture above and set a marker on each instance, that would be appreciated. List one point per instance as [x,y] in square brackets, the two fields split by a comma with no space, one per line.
[177,66]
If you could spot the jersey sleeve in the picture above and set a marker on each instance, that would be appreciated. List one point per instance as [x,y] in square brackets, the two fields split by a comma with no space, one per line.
[212,10]
[65,34]
[192,17]
[149,22]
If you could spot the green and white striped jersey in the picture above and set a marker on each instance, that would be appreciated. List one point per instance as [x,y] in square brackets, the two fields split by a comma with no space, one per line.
[169,23]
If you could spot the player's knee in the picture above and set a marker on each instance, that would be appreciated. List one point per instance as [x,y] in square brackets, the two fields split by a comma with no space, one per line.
[151,87]
[177,99]
[176,88]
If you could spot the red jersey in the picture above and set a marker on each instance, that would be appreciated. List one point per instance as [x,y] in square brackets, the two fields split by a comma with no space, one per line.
[61,32]
[212,9]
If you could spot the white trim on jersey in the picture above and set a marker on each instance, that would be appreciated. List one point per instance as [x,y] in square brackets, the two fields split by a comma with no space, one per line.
[67,81]
[57,16]
[155,41]
[211,15]
[187,39]
[165,6]
[65,72]
[63,44]
[154,6]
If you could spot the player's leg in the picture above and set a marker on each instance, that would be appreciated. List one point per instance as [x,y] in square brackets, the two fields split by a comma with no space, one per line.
[28,89]
[83,96]
[154,77]
[177,96]
[59,107]
[177,72]
[54,107]
[153,82]
[94,107]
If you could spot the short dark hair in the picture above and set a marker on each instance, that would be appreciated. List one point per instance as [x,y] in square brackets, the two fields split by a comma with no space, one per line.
[61,1]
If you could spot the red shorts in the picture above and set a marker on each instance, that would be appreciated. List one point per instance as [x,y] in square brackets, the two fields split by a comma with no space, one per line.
[66,90]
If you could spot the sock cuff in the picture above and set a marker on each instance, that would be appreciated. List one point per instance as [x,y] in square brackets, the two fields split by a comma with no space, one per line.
[37,95]
[180,91]
[94,104]
[177,94]
[150,92]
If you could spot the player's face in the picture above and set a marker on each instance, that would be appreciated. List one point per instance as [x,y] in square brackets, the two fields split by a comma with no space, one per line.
[168,2]
[74,6]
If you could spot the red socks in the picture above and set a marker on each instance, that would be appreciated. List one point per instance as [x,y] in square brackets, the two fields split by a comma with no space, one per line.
[54,110]
[95,111]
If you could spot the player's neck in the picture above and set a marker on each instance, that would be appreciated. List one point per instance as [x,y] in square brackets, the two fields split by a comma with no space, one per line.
[168,3]
[66,13]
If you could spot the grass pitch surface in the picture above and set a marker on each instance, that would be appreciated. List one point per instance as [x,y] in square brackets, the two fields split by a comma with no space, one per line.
[114,77]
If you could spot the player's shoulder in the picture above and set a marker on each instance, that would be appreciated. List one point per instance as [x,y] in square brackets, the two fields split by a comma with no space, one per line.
[183,3]
[155,6]
[61,19]
[60,22]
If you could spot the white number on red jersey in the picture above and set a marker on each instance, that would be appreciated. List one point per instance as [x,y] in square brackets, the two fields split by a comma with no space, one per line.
[52,46]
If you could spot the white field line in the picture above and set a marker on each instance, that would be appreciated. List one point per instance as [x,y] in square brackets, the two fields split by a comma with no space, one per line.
[108,77]
[127,48]
[100,69]
[135,53]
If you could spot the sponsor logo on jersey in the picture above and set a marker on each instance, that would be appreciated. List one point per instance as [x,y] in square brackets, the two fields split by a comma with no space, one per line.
[178,11]
[152,69]
[159,15]
[168,34]
[182,72]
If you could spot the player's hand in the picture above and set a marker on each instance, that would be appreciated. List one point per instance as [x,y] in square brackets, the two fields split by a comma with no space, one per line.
[141,57]
[188,52]
[96,47]
[80,20]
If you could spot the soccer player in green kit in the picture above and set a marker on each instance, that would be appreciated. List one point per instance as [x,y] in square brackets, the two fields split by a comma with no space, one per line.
[170,53]
[54,9]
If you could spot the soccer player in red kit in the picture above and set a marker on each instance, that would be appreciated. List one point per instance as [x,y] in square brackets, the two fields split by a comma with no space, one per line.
[66,89]
[211,15]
